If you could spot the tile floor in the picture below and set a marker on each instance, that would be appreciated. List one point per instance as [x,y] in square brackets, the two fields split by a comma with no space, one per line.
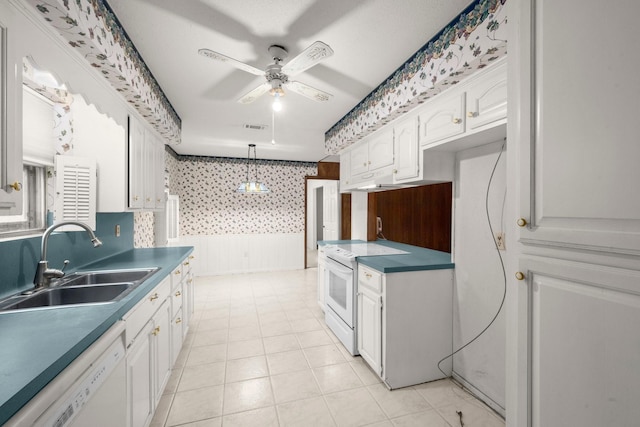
[259,354]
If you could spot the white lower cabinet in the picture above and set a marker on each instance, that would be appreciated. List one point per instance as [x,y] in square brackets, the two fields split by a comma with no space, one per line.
[322,259]
[405,324]
[155,330]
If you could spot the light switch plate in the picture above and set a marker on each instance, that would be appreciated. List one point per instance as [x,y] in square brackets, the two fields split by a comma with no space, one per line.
[117,230]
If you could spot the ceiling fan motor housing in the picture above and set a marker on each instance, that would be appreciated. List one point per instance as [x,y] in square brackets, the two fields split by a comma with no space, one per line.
[278,53]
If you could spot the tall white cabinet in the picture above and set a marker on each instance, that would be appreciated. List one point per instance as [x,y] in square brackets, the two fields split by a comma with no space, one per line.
[573,345]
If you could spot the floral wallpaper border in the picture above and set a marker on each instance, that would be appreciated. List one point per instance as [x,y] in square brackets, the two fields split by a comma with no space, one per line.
[91,27]
[476,38]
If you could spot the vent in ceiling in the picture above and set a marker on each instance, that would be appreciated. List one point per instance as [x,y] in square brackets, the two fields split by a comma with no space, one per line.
[254,127]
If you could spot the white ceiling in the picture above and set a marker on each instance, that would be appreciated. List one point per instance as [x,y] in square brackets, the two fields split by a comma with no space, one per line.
[370,38]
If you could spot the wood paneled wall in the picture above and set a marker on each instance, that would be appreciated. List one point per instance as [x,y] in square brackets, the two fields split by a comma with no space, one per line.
[345,220]
[419,216]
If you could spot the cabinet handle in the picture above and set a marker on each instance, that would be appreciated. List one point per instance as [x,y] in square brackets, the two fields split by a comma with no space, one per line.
[148,199]
[457,121]
[16,186]
[158,199]
[521,222]
[156,331]
[520,275]
[185,263]
[178,320]
[472,114]
[191,256]
[177,272]
[153,297]
[178,293]
[189,280]
[135,198]
[368,276]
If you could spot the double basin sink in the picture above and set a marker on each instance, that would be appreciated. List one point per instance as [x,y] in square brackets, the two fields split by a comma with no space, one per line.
[89,287]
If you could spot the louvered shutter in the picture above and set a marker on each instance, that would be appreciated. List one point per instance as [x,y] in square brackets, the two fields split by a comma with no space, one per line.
[75,191]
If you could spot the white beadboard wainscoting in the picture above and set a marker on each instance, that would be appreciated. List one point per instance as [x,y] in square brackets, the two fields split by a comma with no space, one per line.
[245,253]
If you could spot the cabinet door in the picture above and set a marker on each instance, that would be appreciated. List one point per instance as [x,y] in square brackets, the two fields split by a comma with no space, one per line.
[320,283]
[158,184]
[345,170]
[580,147]
[406,150]
[176,336]
[139,374]
[443,118]
[136,164]
[150,170]
[584,344]
[359,158]
[487,98]
[370,328]
[381,150]
[161,345]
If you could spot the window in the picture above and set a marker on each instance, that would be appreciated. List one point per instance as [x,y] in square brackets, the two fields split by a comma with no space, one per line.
[33,218]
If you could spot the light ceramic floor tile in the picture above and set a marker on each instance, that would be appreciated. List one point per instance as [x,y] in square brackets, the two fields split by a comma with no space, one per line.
[199,376]
[248,348]
[277,315]
[442,393]
[281,343]
[313,338]
[211,422]
[323,355]
[213,324]
[246,395]
[299,314]
[288,361]
[303,325]
[472,412]
[338,377]
[210,337]
[207,354]
[243,320]
[387,423]
[396,403]
[160,416]
[196,405]
[248,368]
[263,417]
[276,328]
[308,412]
[244,333]
[364,372]
[429,418]
[354,408]
[294,386]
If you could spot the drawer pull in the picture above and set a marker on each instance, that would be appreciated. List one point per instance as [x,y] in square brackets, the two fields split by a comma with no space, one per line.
[456,121]
[189,280]
[178,293]
[185,263]
[178,320]
[177,272]
[156,331]
[153,297]
[368,275]
[191,257]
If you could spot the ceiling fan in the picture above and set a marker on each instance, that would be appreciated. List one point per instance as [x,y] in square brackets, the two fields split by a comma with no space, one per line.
[277,75]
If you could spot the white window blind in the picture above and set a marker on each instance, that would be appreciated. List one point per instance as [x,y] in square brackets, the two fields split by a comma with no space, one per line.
[75,191]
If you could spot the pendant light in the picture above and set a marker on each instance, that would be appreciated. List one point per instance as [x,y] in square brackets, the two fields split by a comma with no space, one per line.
[254,187]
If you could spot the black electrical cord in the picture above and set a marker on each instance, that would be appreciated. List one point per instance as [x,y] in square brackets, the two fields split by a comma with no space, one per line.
[504,273]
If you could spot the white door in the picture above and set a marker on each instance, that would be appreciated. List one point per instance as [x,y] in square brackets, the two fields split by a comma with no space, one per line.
[330,211]
[572,351]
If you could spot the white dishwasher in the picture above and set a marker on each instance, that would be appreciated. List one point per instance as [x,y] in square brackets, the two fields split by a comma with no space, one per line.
[91,391]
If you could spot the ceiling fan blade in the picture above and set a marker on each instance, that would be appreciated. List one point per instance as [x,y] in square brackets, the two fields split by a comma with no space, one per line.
[308,91]
[234,62]
[307,58]
[255,94]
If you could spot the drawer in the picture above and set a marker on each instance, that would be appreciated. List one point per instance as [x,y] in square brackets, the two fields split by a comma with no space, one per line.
[176,300]
[139,315]
[370,278]
[176,277]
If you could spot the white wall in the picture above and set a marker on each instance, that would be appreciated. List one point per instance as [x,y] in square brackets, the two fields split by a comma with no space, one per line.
[479,280]
[245,253]
[359,215]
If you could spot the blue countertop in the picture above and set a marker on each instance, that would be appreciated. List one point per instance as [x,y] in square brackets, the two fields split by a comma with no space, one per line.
[417,258]
[36,345]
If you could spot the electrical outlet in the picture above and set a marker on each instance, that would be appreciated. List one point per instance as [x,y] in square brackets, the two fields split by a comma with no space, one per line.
[499,236]
[117,230]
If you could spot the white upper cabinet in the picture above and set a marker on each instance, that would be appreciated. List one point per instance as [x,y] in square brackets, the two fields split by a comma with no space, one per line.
[443,118]
[487,98]
[10,113]
[406,149]
[345,170]
[381,150]
[359,158]
[136,170]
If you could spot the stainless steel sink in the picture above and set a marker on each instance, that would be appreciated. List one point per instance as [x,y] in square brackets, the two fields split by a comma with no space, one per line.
[88,287]
[76,295]
[106,276]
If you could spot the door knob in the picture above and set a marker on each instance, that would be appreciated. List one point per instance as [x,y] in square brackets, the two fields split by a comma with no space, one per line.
[521,222]
[520,275]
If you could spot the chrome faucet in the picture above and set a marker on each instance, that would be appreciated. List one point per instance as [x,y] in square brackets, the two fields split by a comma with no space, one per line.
[44,274]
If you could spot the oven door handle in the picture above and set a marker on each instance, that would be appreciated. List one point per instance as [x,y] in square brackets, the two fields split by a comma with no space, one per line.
[336,266]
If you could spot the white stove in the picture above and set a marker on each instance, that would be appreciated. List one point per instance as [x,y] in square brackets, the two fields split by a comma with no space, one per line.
[341,277]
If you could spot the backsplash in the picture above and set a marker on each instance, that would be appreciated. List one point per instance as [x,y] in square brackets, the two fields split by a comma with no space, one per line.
[209,204]
[20,257]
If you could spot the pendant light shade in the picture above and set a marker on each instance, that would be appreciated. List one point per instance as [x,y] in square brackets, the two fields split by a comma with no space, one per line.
[254,186]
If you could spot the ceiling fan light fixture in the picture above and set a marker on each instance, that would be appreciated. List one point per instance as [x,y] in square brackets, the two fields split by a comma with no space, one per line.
[277,105]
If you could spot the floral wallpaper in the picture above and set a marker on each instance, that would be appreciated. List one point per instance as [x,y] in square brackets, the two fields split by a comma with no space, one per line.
[476,38]
[172,167]
[143,233]
[90,27]
[210,205]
